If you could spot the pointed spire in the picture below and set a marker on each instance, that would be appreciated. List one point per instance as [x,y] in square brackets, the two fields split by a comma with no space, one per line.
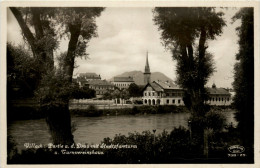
[147,73]
[147,68]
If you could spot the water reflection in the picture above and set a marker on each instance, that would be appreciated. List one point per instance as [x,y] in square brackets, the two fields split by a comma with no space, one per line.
[95,129]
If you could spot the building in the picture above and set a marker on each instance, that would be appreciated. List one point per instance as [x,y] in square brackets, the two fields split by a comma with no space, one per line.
[122,82]
[218,96]
[147,73]
[162,93]
[100,86]
[83,78]
[167,93]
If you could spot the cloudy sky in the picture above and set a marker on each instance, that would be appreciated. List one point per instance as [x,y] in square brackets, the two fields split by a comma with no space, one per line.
[126,34]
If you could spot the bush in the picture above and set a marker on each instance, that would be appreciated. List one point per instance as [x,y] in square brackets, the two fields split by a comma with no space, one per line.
[173,147]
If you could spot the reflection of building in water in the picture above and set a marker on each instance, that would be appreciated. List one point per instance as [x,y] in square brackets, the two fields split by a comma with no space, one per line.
[122,82]
[218,96]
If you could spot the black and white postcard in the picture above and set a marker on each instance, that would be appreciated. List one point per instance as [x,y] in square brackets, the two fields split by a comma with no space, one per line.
[150,83]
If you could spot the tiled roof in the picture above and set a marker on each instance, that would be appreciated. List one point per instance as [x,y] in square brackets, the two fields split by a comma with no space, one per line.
[89,75]
[217,91]
[156,87]
[166,85]
[123,79]
[99,82]
[161,86]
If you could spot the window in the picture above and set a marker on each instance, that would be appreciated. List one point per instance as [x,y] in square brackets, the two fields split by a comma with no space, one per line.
[149,94]
[212,99]
[179,101]
[173,101]
[167,101]
[144,93]
[227,99]
[153,93]
[222,98]
[218,99]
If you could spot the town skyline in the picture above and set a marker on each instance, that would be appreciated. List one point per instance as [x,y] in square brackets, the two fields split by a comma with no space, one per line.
[122,44]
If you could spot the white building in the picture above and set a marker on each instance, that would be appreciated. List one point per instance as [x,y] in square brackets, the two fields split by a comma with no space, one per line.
[122,82]
[218,96]
[162,93]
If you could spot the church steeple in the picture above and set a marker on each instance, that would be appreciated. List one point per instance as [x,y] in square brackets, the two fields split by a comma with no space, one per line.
[147,73]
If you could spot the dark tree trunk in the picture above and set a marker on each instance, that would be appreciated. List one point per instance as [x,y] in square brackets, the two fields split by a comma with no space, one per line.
[59,122]
[25,29]
[70,57]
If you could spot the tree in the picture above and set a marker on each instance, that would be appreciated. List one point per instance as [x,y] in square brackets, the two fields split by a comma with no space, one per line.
[244,76]
[134,90]
[21,72]
[185,32]
[41,28]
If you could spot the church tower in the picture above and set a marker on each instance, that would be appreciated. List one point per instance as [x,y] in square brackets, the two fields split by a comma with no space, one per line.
[147,73]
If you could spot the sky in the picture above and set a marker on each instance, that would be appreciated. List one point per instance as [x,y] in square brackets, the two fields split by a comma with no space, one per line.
[126,34]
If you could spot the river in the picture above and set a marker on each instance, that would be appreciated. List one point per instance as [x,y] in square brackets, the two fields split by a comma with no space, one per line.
[93,130]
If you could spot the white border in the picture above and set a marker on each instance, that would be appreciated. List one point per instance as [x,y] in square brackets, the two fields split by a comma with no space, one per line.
[120,3]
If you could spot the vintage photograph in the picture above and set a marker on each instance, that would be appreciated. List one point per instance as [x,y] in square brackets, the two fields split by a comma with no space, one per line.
[129,85]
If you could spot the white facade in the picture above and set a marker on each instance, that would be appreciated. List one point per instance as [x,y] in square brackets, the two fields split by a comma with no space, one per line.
[153,97]
[122,85]
[219,100]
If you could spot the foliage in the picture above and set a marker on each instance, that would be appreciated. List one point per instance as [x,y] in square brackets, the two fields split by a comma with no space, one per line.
[116,94]
[82,93]
[164,147]
[244,76]
[42,27]
[182,25]
[185,31]
[215,120]
[54,90]
[134,90]
[22,71]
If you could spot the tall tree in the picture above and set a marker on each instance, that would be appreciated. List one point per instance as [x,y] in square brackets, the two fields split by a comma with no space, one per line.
[41,28]
[185,32]
[244,76]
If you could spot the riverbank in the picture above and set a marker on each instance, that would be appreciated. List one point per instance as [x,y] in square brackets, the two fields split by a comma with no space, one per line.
[92,111]
[33,112]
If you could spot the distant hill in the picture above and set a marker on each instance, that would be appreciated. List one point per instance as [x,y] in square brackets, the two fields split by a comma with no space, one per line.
[138,77]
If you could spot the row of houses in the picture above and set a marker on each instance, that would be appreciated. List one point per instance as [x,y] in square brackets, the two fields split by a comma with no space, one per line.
[94,81]
[166,93]
[155,92]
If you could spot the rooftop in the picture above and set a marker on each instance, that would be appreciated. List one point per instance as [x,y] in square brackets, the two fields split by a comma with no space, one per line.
[99,82]
[218,91]
[123,79]
[156,87]
[90,75]
[166,85]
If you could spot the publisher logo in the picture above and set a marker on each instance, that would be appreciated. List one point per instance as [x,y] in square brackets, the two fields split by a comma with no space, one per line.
[236,149]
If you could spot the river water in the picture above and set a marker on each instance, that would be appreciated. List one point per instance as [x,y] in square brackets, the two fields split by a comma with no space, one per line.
[93,130]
